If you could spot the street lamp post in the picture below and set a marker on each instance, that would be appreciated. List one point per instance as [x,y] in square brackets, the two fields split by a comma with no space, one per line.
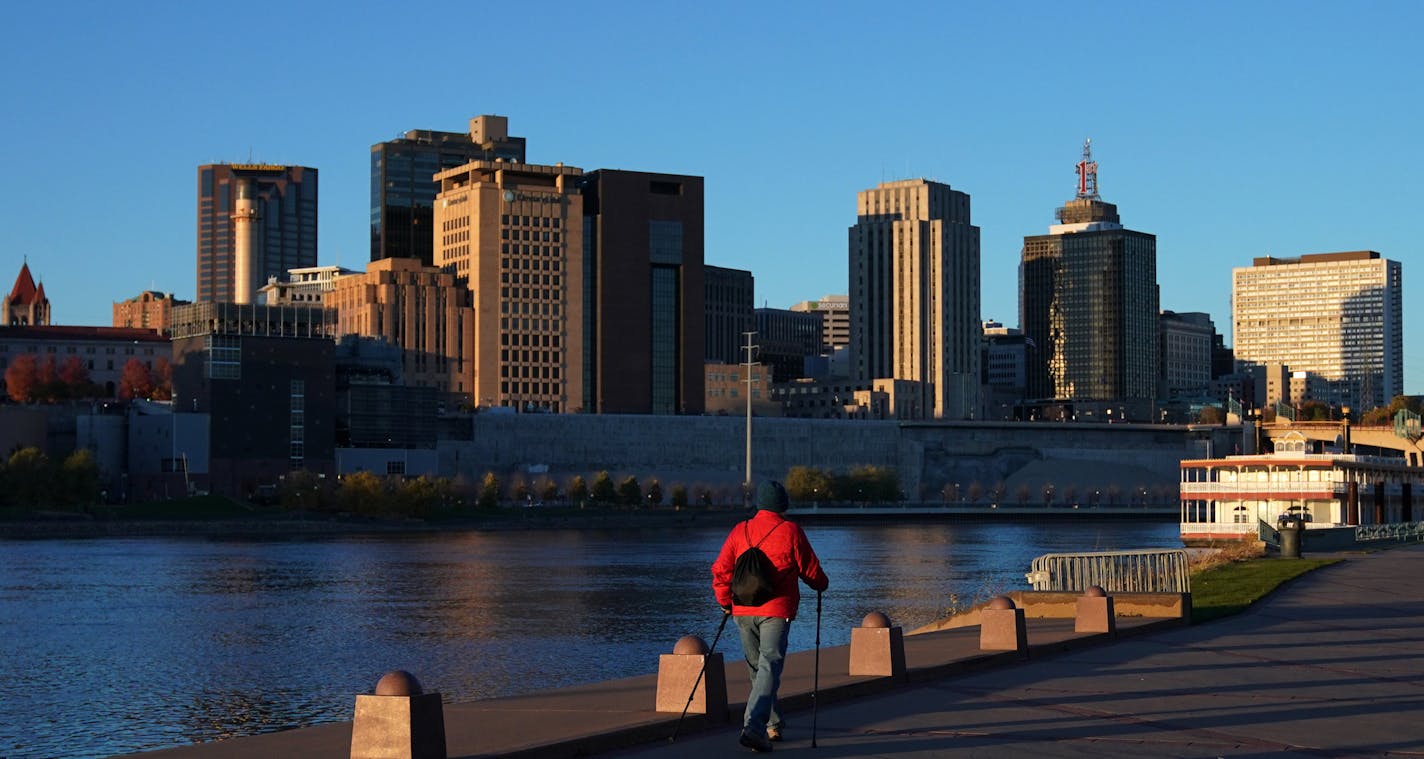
[749,348]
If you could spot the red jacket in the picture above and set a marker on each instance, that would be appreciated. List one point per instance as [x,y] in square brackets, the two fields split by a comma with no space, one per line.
[786,545]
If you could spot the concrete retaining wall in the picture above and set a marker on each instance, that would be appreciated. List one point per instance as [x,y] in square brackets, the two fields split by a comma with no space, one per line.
[1049,604]
[711,450]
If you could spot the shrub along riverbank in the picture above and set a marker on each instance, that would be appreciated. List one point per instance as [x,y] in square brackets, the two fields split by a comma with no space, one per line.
[216,515]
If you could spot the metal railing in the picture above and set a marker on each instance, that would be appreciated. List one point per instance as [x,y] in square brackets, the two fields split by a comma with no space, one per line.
[1147,571]
[1396,531]
[1269,534]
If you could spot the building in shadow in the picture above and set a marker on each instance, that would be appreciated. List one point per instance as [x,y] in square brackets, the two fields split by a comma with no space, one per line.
[265,378]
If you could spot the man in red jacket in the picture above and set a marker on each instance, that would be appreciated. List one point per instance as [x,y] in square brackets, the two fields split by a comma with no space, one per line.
[764,628]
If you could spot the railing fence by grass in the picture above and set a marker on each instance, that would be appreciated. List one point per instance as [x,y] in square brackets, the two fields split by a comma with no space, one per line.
[1269,534]
[1146,571]
[1398,531]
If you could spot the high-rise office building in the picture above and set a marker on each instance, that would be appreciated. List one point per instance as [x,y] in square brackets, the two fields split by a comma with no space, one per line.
[787,339]
[730,313]
[254,221]
[644,304]
[514,233]
[403,185]
[835,320]
[1089,307]
[914,294]
[1005,362]
[1338,316]
[1185,358]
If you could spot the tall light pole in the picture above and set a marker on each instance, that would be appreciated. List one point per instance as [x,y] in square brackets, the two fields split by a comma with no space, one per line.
[749,363]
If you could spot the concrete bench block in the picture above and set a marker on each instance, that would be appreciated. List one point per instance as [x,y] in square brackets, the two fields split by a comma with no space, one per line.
[877,652]
[1002,627]
[677,673]
[398,727]
[1095,615]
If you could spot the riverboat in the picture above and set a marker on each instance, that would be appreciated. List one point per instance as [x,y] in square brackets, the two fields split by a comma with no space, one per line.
[1245,497]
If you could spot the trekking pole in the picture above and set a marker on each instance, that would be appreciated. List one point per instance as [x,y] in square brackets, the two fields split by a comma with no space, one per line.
[816,680]
[705,657]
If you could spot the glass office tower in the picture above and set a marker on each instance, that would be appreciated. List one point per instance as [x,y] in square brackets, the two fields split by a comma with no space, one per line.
[403,186]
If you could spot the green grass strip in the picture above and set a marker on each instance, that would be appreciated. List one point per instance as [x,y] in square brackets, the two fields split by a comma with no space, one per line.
[1228,589]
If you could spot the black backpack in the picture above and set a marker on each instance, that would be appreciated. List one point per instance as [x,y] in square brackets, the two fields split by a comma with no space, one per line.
[754,576]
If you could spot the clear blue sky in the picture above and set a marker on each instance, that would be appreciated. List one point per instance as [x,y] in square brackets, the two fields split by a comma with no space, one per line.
[1230,130]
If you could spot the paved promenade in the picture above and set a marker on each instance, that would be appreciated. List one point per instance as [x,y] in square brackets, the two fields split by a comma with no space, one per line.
[1331,665]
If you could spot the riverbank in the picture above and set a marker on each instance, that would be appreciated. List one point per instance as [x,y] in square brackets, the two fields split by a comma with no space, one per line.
[265,523]
[72,527]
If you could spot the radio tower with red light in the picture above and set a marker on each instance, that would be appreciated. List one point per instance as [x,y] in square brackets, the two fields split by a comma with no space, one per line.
[1088,173]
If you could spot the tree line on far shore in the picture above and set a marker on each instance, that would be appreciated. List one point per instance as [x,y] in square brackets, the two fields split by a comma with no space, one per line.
[29,479]
[367,494]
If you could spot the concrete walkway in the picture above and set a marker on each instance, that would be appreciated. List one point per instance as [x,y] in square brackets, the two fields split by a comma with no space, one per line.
[1331,665]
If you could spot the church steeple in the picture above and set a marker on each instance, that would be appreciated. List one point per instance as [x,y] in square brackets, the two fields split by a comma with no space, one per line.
[26,305]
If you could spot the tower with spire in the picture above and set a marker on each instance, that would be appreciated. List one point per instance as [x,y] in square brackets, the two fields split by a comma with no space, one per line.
[1089,308]
[26,305]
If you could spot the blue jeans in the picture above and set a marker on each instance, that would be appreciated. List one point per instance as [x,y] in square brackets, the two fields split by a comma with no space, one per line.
[764,644]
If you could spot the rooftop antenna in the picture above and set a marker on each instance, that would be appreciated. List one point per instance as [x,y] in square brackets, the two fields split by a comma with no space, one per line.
[1088,173]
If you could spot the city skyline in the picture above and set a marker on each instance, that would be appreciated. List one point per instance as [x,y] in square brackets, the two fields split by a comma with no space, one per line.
[1231,133]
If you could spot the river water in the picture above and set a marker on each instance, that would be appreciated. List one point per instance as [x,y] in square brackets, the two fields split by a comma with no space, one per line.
[119,645]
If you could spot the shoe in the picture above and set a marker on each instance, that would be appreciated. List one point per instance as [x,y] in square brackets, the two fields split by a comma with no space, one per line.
[754,741]
[773,734]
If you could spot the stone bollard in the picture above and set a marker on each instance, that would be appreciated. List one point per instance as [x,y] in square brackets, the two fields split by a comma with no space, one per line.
[1002,627]
[399,721]
[678,674]
[1095,612]
[877,649]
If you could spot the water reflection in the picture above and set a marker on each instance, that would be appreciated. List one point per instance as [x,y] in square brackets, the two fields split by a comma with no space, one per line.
[123,645]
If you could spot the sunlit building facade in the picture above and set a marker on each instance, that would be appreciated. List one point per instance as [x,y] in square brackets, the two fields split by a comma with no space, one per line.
[835,320]
[514,233]
[307,286]
[422,310]
[1338,316]
[914,295]
[149,309]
